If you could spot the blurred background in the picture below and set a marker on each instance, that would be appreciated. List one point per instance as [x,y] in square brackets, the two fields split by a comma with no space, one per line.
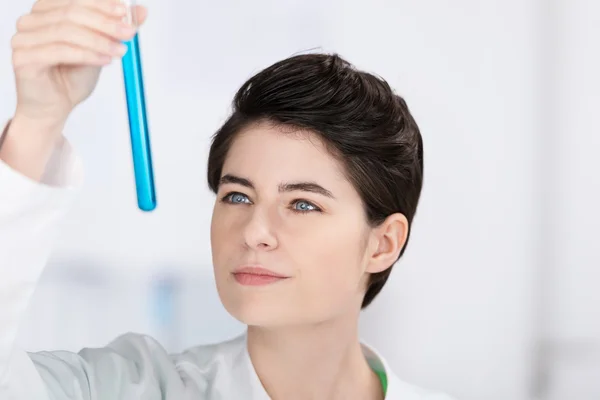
[497,296]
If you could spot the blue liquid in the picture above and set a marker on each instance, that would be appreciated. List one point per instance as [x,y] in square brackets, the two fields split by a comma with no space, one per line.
[138,126]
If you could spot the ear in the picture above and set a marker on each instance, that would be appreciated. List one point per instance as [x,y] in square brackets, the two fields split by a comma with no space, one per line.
[389,239]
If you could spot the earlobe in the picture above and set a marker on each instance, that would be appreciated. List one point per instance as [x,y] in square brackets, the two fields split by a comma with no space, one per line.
[391,237]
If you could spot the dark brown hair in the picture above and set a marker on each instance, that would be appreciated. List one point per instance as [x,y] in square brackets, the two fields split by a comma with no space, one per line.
[360,119]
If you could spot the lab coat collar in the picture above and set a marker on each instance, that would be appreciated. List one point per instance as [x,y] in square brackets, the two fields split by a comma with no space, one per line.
[248,385]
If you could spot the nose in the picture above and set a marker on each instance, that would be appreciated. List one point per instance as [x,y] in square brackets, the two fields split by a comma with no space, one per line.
[258,232]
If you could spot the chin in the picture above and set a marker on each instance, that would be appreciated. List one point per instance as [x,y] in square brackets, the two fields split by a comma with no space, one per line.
[257,306]
[254,312]
[269,313]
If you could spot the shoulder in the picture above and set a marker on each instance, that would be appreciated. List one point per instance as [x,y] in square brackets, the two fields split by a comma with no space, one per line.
[140,346]
[205,370]
[207,355]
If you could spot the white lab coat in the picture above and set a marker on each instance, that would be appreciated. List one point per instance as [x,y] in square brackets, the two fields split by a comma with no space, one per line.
[132,366]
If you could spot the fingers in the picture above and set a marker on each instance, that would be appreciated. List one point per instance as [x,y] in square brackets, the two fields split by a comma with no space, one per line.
[89,19]
[58,53]
[110,8]
[73,32]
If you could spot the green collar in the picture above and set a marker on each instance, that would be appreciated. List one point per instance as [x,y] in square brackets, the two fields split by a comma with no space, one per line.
[383,378]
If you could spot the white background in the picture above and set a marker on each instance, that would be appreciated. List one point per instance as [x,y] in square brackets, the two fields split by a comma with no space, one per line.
[496,297]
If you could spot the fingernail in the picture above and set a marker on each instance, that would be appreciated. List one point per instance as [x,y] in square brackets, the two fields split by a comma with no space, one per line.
[126,29]
[119,49]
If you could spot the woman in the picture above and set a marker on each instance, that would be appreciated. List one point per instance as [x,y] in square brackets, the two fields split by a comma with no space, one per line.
[317,175]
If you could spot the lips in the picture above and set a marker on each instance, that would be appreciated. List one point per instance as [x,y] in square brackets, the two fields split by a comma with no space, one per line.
[257,276]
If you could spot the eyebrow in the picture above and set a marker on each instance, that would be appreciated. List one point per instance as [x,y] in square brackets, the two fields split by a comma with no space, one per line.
[311,187]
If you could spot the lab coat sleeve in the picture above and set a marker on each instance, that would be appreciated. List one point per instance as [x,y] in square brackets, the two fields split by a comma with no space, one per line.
[30,215]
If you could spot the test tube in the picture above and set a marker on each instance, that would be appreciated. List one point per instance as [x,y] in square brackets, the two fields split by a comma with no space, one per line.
[138,118]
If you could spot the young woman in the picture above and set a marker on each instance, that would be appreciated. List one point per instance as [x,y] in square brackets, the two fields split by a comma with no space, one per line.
[317,176]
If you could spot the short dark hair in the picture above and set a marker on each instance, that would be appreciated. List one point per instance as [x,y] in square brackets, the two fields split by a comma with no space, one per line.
[359,118]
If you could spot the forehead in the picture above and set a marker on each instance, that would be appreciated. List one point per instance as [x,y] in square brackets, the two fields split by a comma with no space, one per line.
[266,152]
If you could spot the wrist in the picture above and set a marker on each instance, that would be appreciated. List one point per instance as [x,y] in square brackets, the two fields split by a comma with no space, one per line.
[42,130]
[28,144]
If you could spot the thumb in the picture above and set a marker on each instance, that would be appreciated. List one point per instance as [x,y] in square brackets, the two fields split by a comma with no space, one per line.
[141,14]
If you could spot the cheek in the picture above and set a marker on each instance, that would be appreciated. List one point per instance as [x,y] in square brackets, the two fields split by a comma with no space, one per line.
[222,233]
[329,256]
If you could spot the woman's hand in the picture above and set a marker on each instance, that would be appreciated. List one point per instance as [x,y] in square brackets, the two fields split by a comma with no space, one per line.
[58,52]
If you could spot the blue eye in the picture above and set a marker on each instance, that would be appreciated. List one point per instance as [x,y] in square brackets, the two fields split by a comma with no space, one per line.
[236,198]
[304,206]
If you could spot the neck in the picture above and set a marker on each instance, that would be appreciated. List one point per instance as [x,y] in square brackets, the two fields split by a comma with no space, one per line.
[322,361]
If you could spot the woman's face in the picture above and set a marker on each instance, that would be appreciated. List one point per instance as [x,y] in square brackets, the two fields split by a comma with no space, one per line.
[284,206]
